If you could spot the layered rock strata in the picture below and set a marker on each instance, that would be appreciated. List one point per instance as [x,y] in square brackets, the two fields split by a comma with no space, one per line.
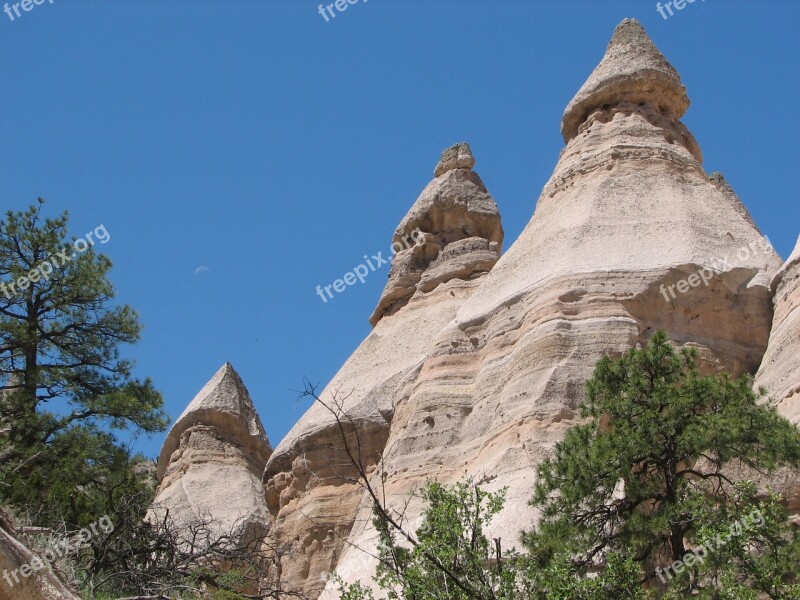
[458,235]
[629,236]
[210,467]
[780,371]
[476,363]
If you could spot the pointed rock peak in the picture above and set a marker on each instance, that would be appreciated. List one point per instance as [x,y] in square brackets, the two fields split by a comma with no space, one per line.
[458,156]
[225,391]
[633,70]
[453,231]
[225,404]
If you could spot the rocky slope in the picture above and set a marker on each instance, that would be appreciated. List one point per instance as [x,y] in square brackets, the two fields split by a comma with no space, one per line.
[41,582]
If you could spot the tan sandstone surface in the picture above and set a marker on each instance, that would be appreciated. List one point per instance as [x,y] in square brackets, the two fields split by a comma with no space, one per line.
[314,506]
[780,370]
[42,584]
[477,362]
[210,466]
[628,210]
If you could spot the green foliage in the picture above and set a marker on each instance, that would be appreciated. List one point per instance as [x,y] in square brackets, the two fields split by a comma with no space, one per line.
[647,475]
[65,387]
[621,579]
[64,392]
[451,536]
[352,591]
[637,503]
[451,558]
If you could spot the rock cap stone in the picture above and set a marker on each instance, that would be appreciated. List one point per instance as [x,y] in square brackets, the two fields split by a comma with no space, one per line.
[225,403]
[632,70]
[453,207]
[458,156]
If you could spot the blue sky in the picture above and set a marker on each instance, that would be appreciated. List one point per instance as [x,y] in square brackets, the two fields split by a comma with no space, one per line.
[276,149]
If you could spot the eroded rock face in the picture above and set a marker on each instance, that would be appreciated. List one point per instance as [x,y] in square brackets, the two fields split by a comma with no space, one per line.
[633,70]
[458,156]
[780,370]
[629,236]
[456,232]
[476,364]
[210,467]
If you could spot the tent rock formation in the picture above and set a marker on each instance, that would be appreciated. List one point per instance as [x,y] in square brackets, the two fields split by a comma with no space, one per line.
[477,362]
[210,467]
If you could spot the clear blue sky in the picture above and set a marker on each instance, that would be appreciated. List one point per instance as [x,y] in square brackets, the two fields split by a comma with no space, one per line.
[276,149]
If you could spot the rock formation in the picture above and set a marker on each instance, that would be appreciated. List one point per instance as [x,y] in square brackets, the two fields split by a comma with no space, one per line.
[460,240]
[629,236]
[210,466]
[461,233]
[476,363]
[780,370]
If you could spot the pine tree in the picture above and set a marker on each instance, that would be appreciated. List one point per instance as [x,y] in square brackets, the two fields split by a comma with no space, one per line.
[649,477]
[64,387]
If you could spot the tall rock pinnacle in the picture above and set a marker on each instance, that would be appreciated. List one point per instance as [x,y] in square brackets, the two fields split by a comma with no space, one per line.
[477,363]
[211,463]
[449,240]
[456,232]
[633,70]
[612,254]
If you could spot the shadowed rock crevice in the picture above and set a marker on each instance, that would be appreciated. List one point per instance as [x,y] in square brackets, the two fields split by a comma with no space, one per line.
[780,370]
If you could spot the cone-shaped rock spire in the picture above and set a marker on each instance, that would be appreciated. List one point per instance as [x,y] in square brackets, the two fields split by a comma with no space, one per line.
[452,231]
[613,253]
[210,467]
[632,70]
[443,249]
[225,403]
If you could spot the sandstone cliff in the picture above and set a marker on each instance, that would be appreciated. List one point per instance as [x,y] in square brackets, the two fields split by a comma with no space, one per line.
[305,480]
[210,466]
[615,250]
[476,362]
[780,370]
